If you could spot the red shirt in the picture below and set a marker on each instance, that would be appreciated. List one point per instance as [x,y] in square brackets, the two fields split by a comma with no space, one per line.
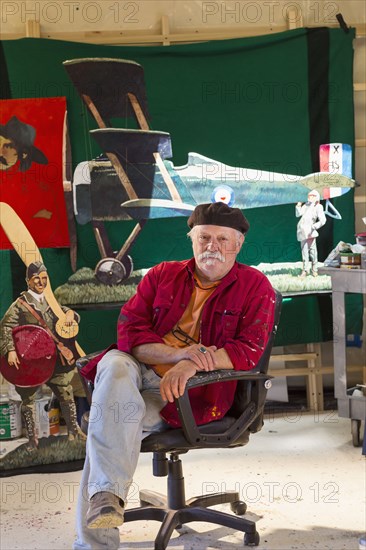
[238,316]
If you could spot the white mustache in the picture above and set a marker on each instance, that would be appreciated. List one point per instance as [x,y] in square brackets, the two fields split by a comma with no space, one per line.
[211,256]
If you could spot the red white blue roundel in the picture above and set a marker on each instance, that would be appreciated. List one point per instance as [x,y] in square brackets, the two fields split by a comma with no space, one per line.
[223,193]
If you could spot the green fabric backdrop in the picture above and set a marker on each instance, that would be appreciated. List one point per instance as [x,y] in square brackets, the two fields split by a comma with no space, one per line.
[244,102]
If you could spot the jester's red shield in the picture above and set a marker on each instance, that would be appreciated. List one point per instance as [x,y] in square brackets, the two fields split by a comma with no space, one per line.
[37,355]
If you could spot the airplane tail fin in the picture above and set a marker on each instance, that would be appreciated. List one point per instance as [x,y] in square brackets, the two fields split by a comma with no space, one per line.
[335,158]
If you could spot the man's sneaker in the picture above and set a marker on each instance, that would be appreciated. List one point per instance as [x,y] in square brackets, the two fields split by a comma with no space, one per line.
[105,511]
[303,274]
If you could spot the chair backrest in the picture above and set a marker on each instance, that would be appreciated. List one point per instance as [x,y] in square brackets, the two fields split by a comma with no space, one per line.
[246,388]
[264,360]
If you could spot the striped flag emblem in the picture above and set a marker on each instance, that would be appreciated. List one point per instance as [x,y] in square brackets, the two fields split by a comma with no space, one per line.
[336,158]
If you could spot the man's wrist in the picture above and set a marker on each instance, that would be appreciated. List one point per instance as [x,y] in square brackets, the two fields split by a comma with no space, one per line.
[178,355]
[187,363]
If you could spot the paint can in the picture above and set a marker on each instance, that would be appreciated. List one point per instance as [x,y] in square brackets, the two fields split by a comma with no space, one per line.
[350,260]
[10,417]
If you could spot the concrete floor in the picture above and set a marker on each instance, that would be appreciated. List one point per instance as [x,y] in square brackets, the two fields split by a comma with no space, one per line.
[301,477]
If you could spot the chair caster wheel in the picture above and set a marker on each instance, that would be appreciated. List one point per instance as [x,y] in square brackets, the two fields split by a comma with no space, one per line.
[238,507]
[251,539]
[355,430]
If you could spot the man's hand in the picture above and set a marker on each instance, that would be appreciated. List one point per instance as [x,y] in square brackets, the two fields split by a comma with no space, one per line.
[13,359]
[174,381]
[203,357]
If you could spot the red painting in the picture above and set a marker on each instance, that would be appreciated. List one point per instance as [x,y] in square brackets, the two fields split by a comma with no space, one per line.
[32,140]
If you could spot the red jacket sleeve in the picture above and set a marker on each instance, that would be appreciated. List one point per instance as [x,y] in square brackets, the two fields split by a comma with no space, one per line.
[135,322]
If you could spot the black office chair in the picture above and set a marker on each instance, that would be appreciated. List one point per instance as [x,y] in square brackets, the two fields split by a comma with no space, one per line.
[244,418]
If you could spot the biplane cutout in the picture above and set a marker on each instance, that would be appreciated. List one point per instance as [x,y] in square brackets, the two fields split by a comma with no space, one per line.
[134,178]
[136,155]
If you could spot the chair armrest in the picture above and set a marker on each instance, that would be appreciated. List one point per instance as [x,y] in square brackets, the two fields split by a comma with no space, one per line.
[204,378]
[199,435]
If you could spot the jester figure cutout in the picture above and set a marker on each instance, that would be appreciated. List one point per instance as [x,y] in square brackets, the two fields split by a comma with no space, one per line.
[32,353]
[38,347]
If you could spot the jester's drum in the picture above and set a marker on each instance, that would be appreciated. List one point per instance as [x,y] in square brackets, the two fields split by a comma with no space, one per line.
[37,355]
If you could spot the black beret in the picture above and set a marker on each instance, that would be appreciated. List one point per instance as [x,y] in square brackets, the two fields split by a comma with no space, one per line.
[218,213]
[34,269]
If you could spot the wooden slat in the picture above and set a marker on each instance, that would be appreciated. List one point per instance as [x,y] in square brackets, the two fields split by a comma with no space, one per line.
[159,161]
[360,199]
[305,371]
[294,357]
[94,111]
[167,178]
[32,29]
[141,119]
[131,239]
[123,177]
[143,38]
[165,30]
[314,382]
[294,19]
[120,38]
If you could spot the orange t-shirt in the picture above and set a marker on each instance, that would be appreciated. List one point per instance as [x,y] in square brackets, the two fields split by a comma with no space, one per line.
[189,323]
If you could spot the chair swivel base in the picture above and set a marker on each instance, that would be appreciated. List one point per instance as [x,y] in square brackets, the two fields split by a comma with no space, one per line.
[155,507]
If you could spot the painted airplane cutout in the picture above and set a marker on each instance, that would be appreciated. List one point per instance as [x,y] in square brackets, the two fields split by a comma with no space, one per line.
[99,195]
[135,180]
[209,180]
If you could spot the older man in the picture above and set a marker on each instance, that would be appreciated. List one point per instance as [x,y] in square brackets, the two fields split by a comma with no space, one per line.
[206,313]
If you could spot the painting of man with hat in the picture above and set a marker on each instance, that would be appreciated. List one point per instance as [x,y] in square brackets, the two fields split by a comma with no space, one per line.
[33,167]
[17,144]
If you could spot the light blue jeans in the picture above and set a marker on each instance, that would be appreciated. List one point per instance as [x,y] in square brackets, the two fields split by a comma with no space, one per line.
[125,409]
